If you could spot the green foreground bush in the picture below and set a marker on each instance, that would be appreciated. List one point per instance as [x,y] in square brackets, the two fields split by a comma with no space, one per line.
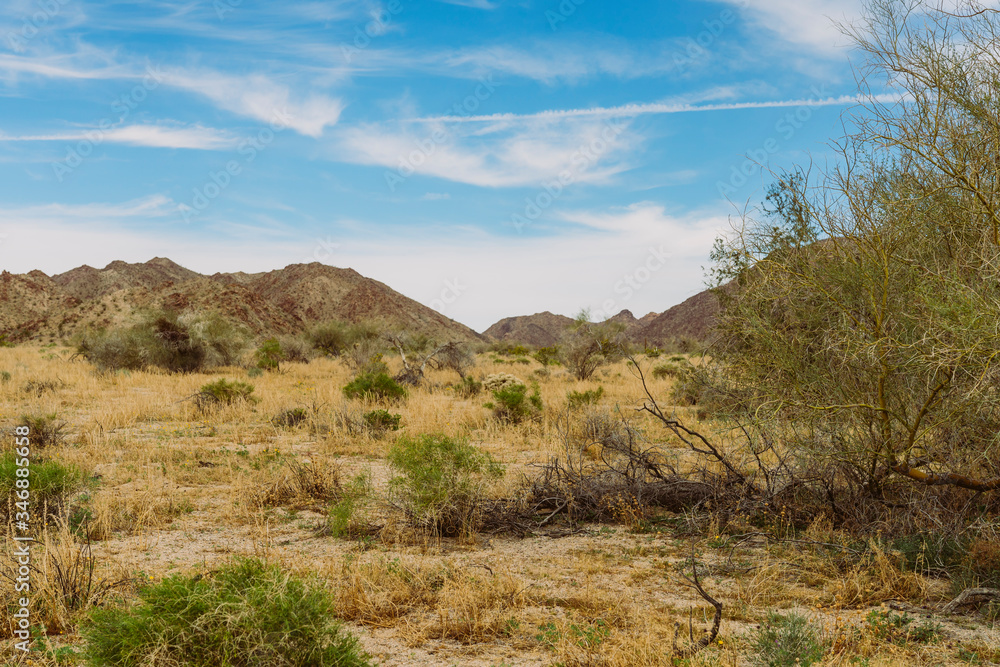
[786,641]
[374,386]
[50,484]
[245,614]
[441,481]
[512,404]
[224,392]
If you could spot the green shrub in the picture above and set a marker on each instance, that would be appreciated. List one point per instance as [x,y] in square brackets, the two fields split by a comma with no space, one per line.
[44,430]
[296,349]
[50,483]
[167,340]
[341,521]
[588,397]
[509,349]
[380,421]
[440,482]
[4,342]
[547,356]
[374,386]
[512,404]
[785,640]
[224,392]
[269,355]
[255,372]
[246,613]
[661,371]
[5,377]
[290,418]
[653,352]
[897,629]
[468,387]
[335,337]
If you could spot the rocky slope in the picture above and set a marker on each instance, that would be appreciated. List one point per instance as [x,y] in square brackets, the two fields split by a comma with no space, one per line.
[34,306]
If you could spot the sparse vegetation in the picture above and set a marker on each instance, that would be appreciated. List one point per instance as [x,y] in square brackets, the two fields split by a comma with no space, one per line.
[375,386]
[786,641]
[224,392]
[242,614]
[441,479]
[512,404]
[166,339]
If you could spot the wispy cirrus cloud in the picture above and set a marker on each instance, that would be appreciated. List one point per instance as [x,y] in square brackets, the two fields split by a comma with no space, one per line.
[503,155]
[152,136]
[259,96]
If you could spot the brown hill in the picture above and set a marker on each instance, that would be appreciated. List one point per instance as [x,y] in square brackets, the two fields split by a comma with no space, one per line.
[86,282]
[289,300]
[539,330]
[693,317]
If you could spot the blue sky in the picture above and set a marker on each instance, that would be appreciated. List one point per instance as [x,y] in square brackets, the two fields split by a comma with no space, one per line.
[486,158]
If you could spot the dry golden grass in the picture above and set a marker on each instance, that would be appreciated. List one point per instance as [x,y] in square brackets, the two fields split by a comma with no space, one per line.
[176,489]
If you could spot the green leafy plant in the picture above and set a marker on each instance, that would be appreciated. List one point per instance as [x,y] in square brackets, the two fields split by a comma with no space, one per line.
[440,481]
[5,377]
[468,387]
[44,430]
[513,405]
[547,356]
[224,392]
[587,397]
[269,355]
[379,386]
[785,640]
[892,628]
[51,483]
[246,613]
[380,421]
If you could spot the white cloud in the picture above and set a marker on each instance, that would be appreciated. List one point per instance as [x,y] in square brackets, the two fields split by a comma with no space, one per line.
[154,136]
[807,24]
[152,206]
[499,155]
[258,96]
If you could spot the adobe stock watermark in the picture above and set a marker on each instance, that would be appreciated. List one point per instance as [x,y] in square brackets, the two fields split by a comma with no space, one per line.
[632,282]
[123,105]
[784,129]
[323,251]
[586,156]
[17,40]
[697,47]
[425,148]
[364,34]
[217,181]
[451,292]
[562,13]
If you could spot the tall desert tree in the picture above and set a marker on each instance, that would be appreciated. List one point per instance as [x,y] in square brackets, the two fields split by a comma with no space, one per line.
[866,308]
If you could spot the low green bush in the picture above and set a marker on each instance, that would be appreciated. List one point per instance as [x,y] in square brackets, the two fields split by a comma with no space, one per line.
[547,356]
[246,613]
[380,421]
[269,355]
[379,386]
[587,397]
[513,405]
[5,377]
[441,481]
[49,483]
[224,392]
[468,387]
[785,641]
[44,430]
